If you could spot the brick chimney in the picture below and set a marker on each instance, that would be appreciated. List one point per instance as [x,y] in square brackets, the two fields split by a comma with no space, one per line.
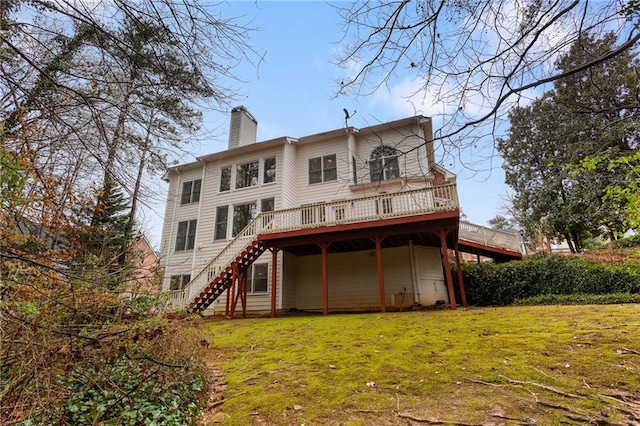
[243,128]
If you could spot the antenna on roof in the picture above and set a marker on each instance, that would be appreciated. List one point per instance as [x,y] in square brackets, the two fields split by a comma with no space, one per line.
[347,116]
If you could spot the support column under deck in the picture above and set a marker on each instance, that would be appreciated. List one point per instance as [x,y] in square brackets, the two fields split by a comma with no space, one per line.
[274,279]
[460,281]
[243,292]
[235,290]
[447,267]
[228,303]
[383,302]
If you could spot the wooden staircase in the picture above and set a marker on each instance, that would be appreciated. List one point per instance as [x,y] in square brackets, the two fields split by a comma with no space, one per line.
[232,277]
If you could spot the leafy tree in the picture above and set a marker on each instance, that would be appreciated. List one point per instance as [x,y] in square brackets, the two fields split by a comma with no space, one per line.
[475,60]
[584,115]
[94,95]
[625,195]
[500,222]
[120,82]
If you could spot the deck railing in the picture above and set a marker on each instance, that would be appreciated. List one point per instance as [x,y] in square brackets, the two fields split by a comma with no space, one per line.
[488,237]
[406,203]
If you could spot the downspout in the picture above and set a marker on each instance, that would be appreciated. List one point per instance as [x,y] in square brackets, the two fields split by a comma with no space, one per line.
[173,223]
[198,223]
[414,271]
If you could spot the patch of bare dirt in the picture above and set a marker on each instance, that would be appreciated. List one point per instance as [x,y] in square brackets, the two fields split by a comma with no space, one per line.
[217,388]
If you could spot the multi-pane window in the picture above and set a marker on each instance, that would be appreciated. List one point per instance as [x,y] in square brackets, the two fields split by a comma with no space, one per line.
[186,235]
[191,191]
[225,179]
[247,174]
[222,216]
[178,282]
[383,164]
[323,169]
[269,174]
[242,215]
[257,278]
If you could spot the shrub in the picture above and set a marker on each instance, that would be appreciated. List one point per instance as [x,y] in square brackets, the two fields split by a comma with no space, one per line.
[503,283]
[580,299]
[631,241]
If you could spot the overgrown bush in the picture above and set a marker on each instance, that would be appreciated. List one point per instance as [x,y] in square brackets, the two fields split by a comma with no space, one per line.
[580,299]
[72,354]
[631,241]
[489,284]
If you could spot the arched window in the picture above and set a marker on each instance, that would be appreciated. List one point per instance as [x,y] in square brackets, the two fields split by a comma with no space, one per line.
[383,164]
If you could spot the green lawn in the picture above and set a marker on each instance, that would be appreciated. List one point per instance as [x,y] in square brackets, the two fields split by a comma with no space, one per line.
[540,365]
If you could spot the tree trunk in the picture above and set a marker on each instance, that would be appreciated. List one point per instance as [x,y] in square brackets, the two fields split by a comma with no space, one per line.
[567,237]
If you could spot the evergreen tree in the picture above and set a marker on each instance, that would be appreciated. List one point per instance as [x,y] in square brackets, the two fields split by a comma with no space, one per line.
[586,114]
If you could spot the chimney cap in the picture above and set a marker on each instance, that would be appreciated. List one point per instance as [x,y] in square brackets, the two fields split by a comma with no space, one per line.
[242,108]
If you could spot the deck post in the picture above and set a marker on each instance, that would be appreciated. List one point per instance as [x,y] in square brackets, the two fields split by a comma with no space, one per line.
[274,279]
[234,294]
[447,267]
[383,302]
[228,303]
[325,279]
[460,281]
[243,292]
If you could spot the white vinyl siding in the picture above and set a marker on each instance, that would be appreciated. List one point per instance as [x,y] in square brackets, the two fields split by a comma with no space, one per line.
[348,290]
[431,281]
[327,190]
[288,177]
[288,284]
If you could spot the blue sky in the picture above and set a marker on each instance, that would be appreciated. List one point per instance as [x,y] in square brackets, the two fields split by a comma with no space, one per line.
[292,94]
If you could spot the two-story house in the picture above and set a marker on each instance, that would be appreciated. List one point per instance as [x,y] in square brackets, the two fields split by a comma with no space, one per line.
[348,219]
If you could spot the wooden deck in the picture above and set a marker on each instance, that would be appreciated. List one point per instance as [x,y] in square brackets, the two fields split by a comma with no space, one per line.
[428,217]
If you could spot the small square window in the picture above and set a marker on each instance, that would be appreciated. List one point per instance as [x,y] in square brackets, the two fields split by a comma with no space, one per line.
[178,282]
[323,169]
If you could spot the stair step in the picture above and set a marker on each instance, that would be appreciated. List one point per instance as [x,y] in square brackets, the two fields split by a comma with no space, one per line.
[223,280]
